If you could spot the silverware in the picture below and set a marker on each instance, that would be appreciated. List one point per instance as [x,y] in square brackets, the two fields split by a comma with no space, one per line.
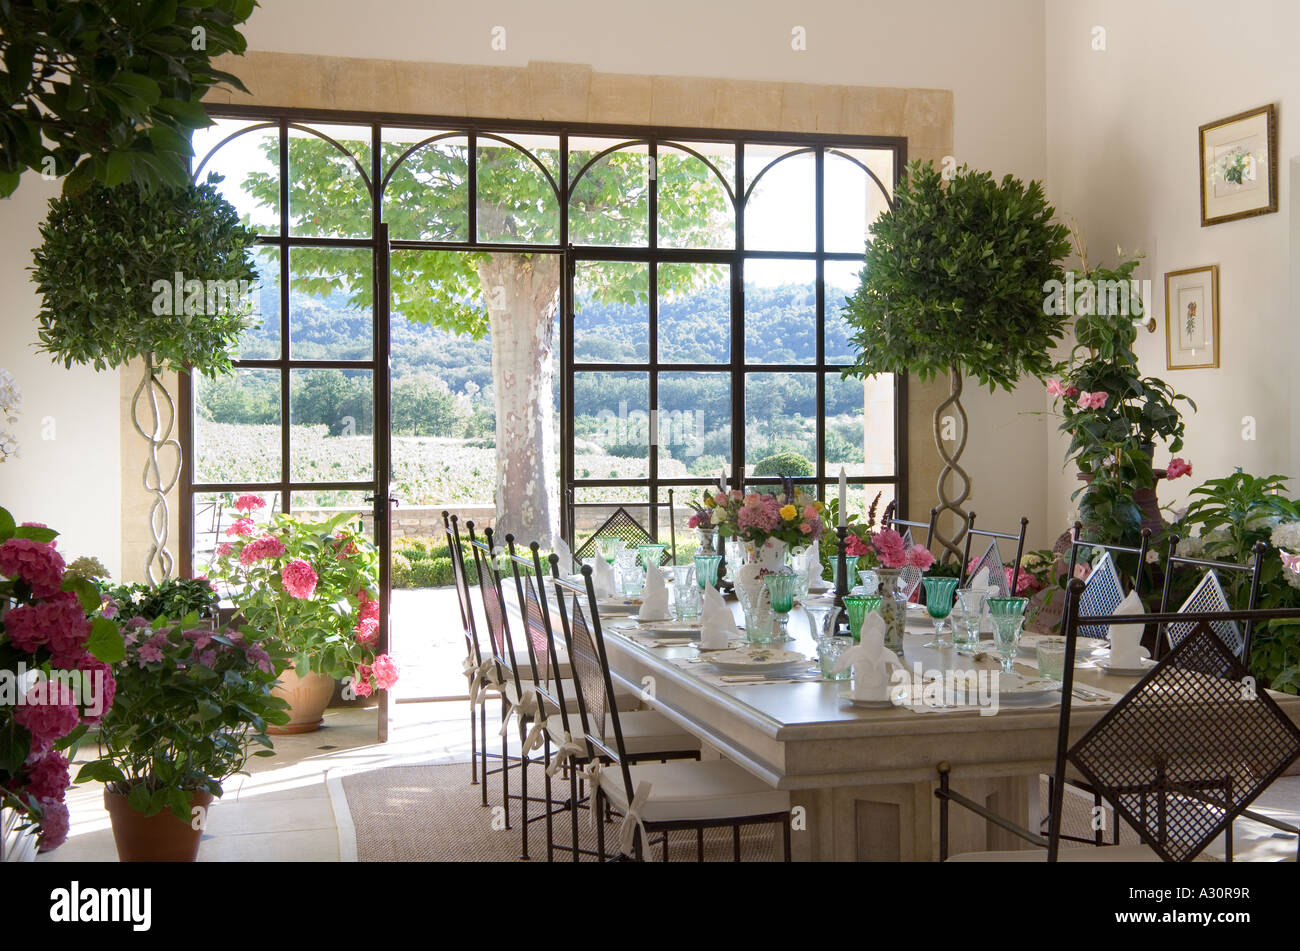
[1088,694]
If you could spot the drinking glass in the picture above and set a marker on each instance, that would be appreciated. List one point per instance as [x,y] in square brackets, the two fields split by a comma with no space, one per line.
[686,594]
[822,615]
[630,577]
[610,547]
[851,563]
[652,554]
[858,606]
[829,650]
[938,604]
[1051,657]
[780,589]
[1008,620]
[1006,637]
[706,569]
[967,631]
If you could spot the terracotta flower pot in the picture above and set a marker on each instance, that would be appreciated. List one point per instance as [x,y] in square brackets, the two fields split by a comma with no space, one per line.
[307,698]
[1145,499]
[157,838]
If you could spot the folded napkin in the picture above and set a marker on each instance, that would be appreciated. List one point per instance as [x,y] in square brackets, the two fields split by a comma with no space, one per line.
[654,596]
[1124,647]
[717,626]
[981,579]
[565,555]
[812,565]
[873,664]
[602,578]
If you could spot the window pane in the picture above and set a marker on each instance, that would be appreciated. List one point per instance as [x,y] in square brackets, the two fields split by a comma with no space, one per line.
[611,315]
[517,203]
[261,341]
[694,424]
[328,196]
[329,304]
[861,498]
[695,207]
[688,539]
[321,504]
[853,199]
[214,512]
[694,313]
[779,215]
[332,415]
[427,196]
[780,311]
[780,417]
[860,425]
[842,280]
[611,200]
[250,167]
[237,427]
[594,505]
[611,425]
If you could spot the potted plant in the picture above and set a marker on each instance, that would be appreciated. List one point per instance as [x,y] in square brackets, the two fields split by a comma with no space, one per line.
[169,598]
[1113,414]
[311,586]
[164,276]
[954,283]
[55,651]
[192,704]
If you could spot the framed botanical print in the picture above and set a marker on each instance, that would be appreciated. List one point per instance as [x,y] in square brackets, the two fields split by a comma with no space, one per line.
[1239,166]
[1192,318]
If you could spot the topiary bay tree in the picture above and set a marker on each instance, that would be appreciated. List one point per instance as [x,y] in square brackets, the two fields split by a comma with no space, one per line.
[164,275]
[955,282]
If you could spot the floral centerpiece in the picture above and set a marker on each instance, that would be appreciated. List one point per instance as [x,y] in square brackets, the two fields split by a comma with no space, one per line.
[56,645]
[892,552]
[792,518]
[193,703]
[311,586]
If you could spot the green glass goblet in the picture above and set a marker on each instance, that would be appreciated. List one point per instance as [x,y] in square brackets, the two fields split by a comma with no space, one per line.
[858,606]
[851,566]
[706,569]
[651,554]
[780,589]
[610,547]
[938,604]
[1006,638]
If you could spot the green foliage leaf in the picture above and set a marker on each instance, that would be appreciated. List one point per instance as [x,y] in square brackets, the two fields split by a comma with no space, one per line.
[106,641]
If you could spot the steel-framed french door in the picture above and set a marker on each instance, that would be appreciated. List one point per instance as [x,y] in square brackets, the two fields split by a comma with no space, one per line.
[381,498]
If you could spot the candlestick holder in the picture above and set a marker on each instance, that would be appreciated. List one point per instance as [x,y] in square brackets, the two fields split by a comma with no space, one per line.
[841,580]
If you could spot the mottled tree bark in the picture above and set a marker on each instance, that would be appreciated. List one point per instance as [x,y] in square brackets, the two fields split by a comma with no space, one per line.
[521,294]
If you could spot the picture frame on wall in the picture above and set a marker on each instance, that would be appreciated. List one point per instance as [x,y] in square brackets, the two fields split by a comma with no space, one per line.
[1192,318]
[1239,166]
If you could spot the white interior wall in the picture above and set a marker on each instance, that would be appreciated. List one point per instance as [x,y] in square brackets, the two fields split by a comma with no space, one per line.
[1123,157]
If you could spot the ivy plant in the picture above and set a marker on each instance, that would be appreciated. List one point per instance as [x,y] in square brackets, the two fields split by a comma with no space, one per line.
[124,272]
[109,91]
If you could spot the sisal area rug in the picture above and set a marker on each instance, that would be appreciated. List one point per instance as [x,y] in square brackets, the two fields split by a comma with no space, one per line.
[431,813]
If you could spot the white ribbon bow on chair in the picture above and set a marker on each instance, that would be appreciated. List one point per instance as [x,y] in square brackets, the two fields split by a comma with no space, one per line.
[527,704]
[482,678]
[567,749]
[591,773]
[632,821]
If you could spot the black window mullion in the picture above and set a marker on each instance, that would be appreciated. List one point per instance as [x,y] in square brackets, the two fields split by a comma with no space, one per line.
[653,328]
[819,215]
[738,329]
[471,194]
[286,410]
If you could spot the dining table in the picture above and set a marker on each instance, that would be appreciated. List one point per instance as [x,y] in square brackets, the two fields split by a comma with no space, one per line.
[861,778]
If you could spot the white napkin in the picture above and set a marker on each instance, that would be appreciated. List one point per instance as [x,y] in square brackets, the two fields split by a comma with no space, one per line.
[717,626]
[1125,650]
[602,579]
[654,596]
[812,565]
[981,579]
[872,663]
[562,551]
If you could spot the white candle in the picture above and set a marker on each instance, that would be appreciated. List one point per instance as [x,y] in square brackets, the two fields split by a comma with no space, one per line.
[844,510]
[722,482]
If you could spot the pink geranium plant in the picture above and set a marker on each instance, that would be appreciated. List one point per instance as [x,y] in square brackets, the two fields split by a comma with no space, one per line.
[52,626]
[313,587]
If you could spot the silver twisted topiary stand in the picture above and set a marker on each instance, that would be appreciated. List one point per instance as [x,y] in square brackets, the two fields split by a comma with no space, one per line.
[151,397]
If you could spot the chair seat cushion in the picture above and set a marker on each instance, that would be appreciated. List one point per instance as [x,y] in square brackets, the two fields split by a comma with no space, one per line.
[625,698]
[644,731]
[1106,853]
[686,790]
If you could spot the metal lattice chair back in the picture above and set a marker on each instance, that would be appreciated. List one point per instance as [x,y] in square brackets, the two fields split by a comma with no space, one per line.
[619,525]
[535,623]
[588,676]
[1102,594]
[461,580]
[1189,747]
[992,560]
[1208,596]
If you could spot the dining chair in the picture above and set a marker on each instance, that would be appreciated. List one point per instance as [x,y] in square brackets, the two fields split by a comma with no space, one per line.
[647,734]
[992,557]
[1209,596]
[889,520]
[654,797]
[619,525]
[1178,758]
[1104,587]
[481,677]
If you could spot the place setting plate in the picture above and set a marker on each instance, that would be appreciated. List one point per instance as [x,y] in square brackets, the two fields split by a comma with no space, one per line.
[1145,665]
[757,660]
[1022,688]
